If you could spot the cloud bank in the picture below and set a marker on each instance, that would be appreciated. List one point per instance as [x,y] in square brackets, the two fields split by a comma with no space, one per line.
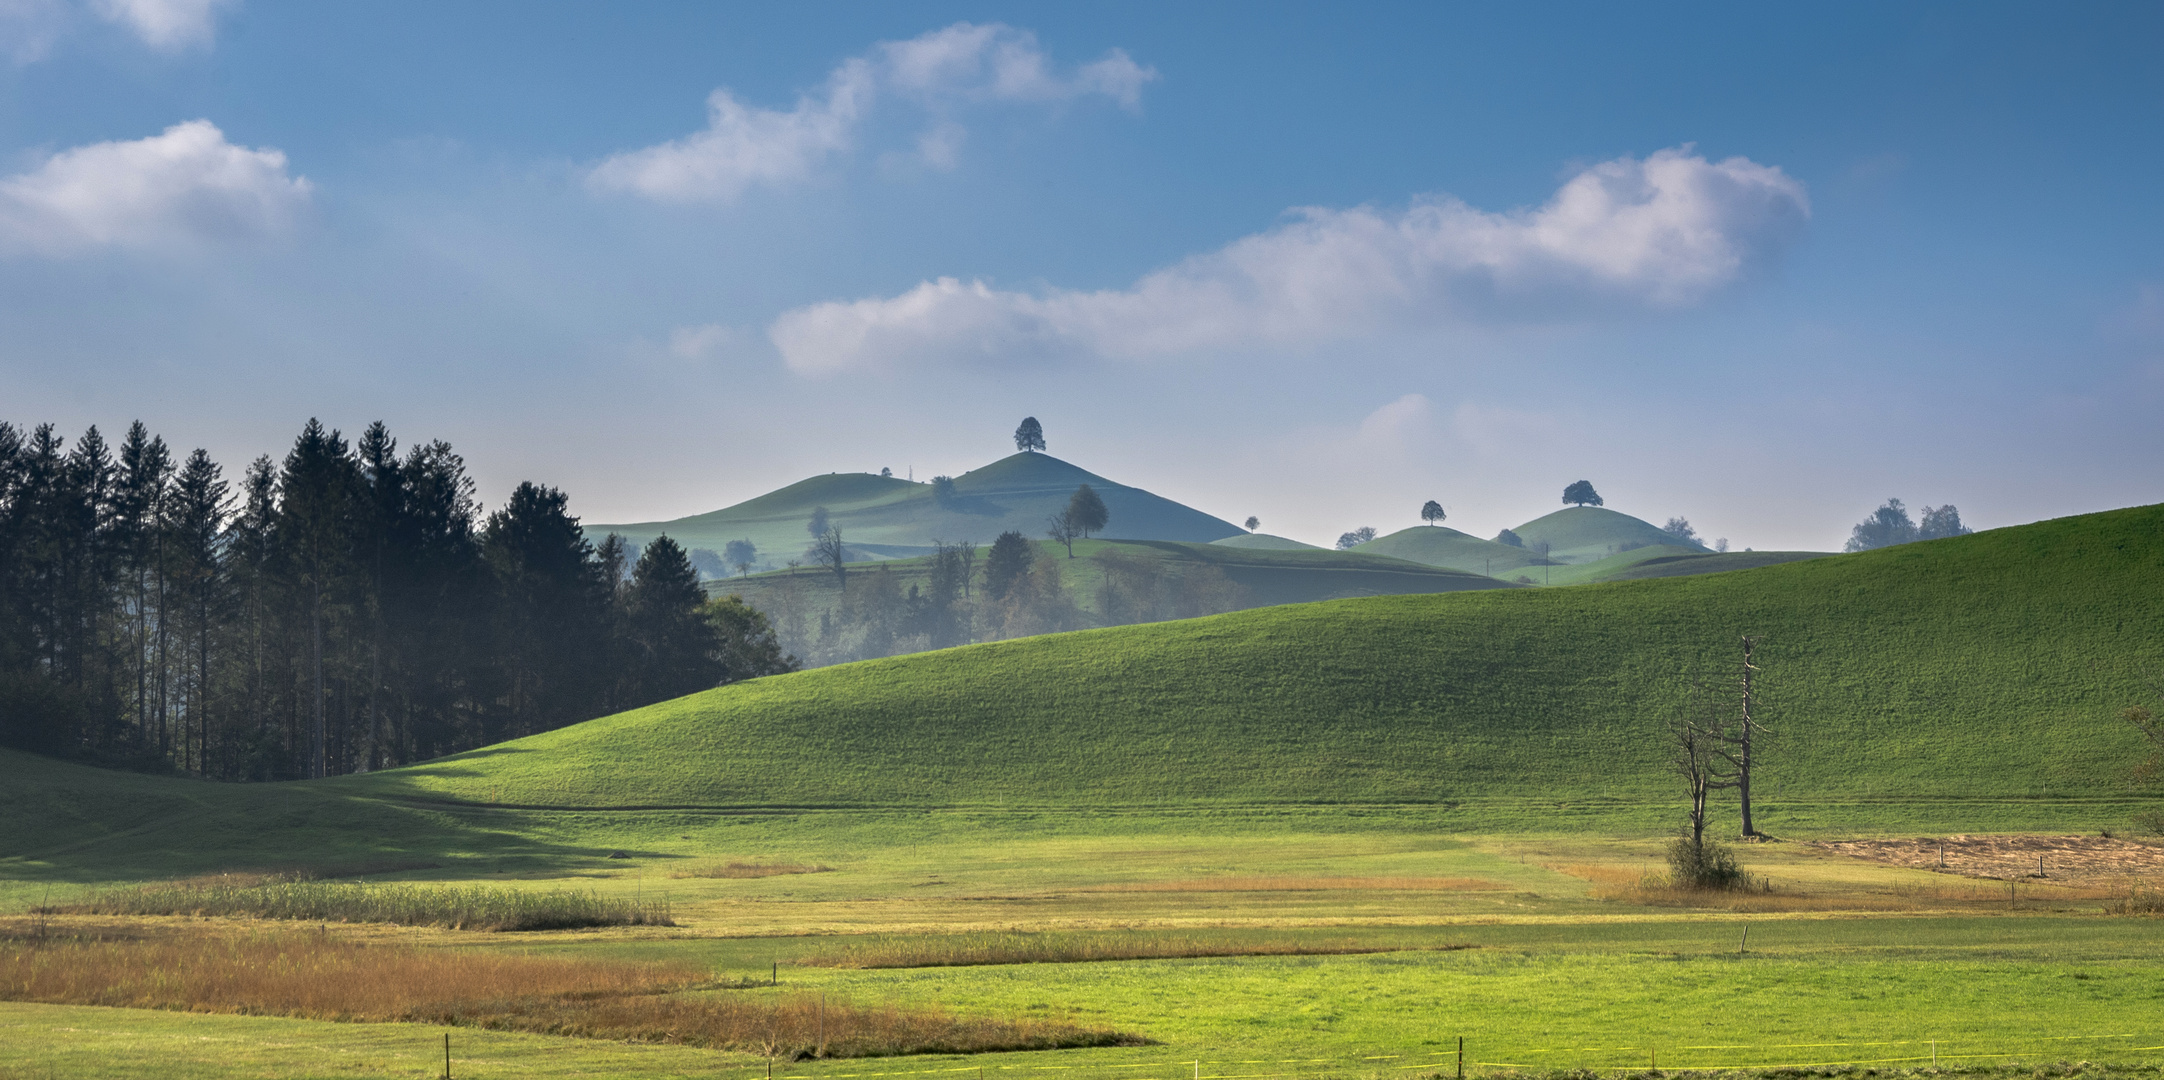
[745,145]
[1662,232]
[183,188]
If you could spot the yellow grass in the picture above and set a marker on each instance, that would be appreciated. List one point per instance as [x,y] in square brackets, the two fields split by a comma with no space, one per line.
[1309,884]
[749,870]
[316,976]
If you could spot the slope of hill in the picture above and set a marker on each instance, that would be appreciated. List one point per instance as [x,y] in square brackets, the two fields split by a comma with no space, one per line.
[1986,666]
[1266,542]
[882,517]
[1964,679]
[1680,565]
[1156,579]
[1440,545]
[1580,534]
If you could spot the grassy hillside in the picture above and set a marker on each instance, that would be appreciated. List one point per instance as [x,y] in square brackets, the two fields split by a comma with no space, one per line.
[1579,534]
[1677,564]
[1266,542]
[1956,684]
[1440,545]
[884,517]
[1265,576]
[1982,667]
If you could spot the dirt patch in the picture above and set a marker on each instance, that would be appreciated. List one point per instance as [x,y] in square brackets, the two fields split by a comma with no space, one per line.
[2066,860]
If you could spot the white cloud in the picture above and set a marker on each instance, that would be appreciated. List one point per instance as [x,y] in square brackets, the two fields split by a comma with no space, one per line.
[745,145]
[169,25]
[184,187]
[1664,231]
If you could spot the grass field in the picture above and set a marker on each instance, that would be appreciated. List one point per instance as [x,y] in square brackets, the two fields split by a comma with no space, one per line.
[1319,840]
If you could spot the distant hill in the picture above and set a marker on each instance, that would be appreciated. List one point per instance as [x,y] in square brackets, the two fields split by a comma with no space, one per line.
[1265,542]
[882,517]
[1582,534]
[1440,545]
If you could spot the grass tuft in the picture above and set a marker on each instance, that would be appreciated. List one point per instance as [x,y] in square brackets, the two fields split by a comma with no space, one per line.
[468,907]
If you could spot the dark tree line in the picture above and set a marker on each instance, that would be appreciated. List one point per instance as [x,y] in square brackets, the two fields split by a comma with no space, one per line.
[347,608]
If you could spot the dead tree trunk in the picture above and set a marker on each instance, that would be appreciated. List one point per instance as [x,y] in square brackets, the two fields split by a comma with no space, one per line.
[1743,739]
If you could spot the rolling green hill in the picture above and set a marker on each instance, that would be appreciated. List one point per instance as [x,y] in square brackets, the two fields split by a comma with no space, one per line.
[1440,545]
[1960,683]
[1580,534]
[1962,668]
[1266,542]
[883,517]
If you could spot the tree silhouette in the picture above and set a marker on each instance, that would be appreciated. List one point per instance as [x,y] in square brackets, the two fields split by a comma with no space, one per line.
[1355,538]
[1253,523]
[1030,436]
[1581,494]
[1432,512]
[1087,511]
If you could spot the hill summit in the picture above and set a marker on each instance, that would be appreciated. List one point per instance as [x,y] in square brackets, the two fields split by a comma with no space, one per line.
[886,517]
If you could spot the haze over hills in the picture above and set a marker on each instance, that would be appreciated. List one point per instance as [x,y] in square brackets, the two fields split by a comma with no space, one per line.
[885,517]
[1582,534]
[1953,683]
[1441,545]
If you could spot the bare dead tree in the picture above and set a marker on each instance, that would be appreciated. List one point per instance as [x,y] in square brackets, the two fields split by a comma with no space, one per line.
[827,551]
[1746,726]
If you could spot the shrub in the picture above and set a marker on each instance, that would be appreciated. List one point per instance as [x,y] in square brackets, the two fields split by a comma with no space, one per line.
[2150,822]
[1708,865]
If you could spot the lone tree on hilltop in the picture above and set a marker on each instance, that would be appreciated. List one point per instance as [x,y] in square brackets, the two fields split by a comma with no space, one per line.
[1005,563]
[1252,523]
[1432,513]
[1939,522]
[1581,494]
[1087,511]
[1030,436]
[1888,525]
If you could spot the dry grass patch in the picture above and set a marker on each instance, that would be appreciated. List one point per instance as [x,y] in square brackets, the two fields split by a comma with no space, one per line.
[314,976]
[735,869]
[1310,884]
[972,950]
[467,907]
[2066,860]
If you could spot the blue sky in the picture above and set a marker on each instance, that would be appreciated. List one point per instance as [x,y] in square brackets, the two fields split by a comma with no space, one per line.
[1763,268]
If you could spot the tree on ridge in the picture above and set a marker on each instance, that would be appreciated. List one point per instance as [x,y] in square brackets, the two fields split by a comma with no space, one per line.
[1581,494]
[1432,512]
[1030,436]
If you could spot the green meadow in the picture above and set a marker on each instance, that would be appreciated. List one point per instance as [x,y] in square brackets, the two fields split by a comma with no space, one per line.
[1376,825]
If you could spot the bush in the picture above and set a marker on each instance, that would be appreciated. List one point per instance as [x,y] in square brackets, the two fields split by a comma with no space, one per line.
[1708,865]
[2150,822]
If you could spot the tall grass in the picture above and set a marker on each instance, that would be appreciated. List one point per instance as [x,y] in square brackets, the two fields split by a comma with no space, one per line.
[459,907]
[971,950]
[316,977]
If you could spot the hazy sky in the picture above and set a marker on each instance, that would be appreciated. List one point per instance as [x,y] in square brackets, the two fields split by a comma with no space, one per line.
[1319,263]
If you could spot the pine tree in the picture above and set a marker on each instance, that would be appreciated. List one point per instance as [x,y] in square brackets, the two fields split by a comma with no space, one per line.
[674,647]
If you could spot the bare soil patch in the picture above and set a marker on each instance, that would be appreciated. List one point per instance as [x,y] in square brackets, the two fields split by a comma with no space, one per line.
[2095,861]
